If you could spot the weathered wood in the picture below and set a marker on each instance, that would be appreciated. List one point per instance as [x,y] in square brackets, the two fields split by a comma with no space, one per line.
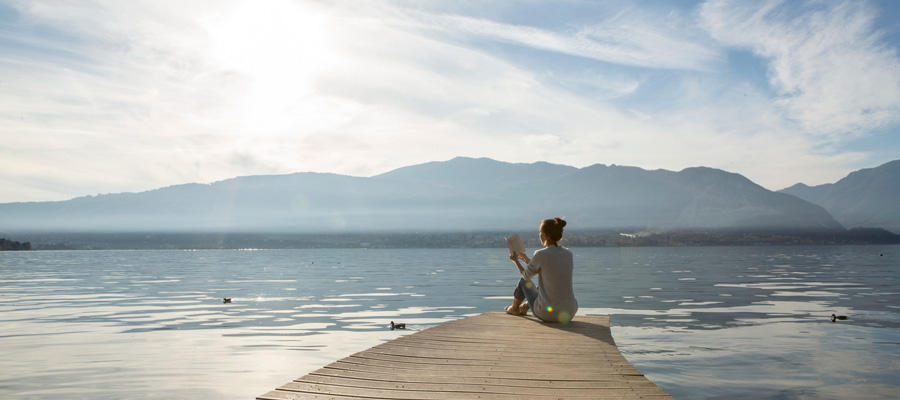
[488,356]
[376,381]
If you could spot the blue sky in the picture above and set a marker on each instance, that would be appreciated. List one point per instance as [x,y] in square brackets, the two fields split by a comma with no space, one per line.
[113,96]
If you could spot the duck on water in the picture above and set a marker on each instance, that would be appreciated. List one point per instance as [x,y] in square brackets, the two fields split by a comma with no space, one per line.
[397,326]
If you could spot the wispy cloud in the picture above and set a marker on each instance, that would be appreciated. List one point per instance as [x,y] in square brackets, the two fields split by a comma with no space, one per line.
[630,37]
[829,66]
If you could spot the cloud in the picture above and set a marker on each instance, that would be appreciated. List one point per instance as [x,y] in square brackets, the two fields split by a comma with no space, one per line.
[112,96]
[545,140]
[830,68]
[634,38]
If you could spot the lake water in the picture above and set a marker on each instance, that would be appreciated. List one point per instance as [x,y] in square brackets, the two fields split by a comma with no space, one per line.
[701,322]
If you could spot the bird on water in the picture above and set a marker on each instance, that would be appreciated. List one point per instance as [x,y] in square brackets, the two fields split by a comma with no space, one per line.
[838,317]
[397,326]
[226,300]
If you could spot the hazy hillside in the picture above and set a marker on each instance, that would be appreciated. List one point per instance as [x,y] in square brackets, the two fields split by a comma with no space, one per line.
[481,175]
[692,199]
[865,198]
[462,194]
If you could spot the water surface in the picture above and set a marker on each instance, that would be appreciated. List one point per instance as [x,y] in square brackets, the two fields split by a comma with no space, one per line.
[701,322]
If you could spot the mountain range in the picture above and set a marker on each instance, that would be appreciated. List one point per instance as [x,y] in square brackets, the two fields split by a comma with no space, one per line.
[462,194]
[865,198]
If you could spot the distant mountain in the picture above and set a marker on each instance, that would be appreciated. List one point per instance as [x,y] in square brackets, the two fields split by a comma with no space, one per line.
[865,198]
[481,175]
[462,194]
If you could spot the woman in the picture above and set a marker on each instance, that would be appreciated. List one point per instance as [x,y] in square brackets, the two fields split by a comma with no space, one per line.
[553,300]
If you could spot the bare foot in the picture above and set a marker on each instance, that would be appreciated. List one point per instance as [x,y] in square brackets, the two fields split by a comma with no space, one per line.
[523,309]
[513,311]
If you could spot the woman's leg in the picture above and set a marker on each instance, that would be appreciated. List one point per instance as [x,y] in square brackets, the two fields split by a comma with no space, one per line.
[518,298]
[515,308]
[525,290]
[530,292]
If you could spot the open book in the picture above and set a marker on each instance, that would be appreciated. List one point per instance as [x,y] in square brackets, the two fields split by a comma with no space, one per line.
[515,244]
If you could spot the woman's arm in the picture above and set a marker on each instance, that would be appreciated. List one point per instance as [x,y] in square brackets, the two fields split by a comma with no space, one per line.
[515,258]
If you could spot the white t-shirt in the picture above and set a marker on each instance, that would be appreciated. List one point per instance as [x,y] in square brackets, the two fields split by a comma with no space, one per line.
[553,266]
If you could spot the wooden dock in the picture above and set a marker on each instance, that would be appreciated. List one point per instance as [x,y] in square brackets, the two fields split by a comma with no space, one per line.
[488,356]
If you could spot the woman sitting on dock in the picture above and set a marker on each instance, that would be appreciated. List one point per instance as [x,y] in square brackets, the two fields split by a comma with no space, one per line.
[553,300]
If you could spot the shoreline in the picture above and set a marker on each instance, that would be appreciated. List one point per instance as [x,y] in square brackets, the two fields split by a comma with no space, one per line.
[437,240]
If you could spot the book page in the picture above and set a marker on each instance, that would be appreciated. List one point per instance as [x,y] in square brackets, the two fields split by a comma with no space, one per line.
[515,244]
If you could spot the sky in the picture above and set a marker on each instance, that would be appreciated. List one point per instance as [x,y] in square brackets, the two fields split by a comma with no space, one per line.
[127,96]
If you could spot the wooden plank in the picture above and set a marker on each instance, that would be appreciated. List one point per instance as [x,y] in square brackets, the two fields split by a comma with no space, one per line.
[488,356]
[408,363]
[491,373]
[480,360]
[511,372]
[452,391]
[497,386]
[285,395]
[478,353]
[475,377]
[547,370]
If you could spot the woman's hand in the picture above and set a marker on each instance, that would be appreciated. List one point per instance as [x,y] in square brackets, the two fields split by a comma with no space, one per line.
[519,256]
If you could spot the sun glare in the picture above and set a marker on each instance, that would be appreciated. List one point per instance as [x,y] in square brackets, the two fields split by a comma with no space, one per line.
[279,49]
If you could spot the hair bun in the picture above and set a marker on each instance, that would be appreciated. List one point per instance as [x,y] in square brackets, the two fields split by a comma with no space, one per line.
[553,228]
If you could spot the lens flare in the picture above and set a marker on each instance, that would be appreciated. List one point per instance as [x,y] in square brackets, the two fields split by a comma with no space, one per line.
[549,309]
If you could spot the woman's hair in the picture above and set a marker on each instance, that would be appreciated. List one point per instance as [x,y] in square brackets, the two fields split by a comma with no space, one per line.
[553,228]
